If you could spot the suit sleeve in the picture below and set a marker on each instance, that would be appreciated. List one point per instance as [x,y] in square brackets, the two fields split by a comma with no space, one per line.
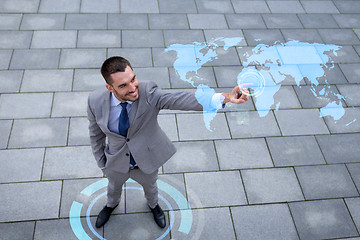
[97,138]
[181,100]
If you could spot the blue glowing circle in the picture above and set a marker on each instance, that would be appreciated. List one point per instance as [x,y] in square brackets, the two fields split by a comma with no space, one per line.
[250,76]
[75,211]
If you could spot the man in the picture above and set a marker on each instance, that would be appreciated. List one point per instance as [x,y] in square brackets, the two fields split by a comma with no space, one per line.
[126,115]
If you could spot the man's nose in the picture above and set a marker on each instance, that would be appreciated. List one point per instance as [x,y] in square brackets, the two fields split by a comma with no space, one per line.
[132,87]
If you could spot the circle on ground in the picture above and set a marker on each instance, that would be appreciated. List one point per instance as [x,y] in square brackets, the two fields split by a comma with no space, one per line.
[251,77]
[93,189]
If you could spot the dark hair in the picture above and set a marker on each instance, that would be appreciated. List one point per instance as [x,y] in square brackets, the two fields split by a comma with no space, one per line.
[113,65]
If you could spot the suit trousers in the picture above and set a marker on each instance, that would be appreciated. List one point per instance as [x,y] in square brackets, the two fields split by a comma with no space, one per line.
[117,180]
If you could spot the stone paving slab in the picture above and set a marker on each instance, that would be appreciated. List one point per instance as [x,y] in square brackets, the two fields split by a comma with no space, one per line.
[243,153]
[302,35]
[87,80]
[14,84]
[17,230]
[333,76]
[86,21]
[46,80]
[354,170]
[203,187]
[208,225]
[271,185]
[82,58]
[319,7]
[34,105]
[272,221]
[331,181]
[53,229]
[213,6]
[54,39]
[42,21]
[70,104]
[68,163]
[18,168]
[353,205]
[5,56]
[285,7]
[205,76]
[10,21]
[301,122]
[246,124]
[98,39]
[168,21]
[318,21]
[44,204]
[193,157]
[250,6]
[281,21]
[5,128]
[336,153]
[198,131]
[352,72]
[343,125]
[35,59]
[244,21]
[38,133]
[322,219]
[207,21]
[15,39]
[295,151]
[269,37]
[309,100]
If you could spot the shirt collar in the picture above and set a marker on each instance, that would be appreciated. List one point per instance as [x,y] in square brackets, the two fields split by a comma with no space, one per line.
[116,102]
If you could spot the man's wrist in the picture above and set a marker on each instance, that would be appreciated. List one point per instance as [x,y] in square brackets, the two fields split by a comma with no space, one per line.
[226,97]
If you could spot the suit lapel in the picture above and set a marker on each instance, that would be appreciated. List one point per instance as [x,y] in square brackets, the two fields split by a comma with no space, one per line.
[106,112]
[134,108]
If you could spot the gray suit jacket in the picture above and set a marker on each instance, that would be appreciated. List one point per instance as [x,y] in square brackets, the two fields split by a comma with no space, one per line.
[148,144]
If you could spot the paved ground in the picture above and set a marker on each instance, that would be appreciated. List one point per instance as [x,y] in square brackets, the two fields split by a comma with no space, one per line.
[286,176]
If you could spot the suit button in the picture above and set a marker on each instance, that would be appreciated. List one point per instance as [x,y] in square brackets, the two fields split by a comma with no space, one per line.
[128,140]
[127,154]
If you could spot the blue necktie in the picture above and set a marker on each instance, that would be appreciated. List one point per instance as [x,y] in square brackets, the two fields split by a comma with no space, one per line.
[123,120]
[124,125]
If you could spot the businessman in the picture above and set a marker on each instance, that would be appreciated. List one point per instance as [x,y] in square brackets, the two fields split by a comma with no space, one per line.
[125,114]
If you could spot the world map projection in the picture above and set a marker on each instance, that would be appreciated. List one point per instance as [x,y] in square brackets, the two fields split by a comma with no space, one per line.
[266,68]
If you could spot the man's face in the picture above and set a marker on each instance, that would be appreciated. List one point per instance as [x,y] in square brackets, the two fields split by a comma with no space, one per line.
[124,85]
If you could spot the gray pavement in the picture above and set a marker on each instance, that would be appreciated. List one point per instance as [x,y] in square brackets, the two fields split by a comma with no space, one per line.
[289,175]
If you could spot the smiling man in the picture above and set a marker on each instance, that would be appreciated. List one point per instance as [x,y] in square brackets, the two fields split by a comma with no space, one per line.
[126,115]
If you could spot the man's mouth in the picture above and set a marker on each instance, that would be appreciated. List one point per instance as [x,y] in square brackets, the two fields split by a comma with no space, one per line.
[133,94]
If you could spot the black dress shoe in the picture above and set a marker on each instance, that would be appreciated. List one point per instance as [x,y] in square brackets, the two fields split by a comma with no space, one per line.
[104,216]
[159,216]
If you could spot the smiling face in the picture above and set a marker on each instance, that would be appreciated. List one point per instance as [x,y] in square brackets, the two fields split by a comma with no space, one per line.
[124,85]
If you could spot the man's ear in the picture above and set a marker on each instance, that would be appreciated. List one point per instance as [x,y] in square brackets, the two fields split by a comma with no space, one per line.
[109,87]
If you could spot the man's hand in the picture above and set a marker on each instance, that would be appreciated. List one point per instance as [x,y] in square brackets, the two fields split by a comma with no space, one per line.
[237,95]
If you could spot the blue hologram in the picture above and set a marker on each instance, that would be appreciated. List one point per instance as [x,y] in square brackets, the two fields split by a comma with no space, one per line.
[186,216]
[190,58]
[75,211]
[88,216]
[75,221]
[91,189]
[333,109]
[292,60]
